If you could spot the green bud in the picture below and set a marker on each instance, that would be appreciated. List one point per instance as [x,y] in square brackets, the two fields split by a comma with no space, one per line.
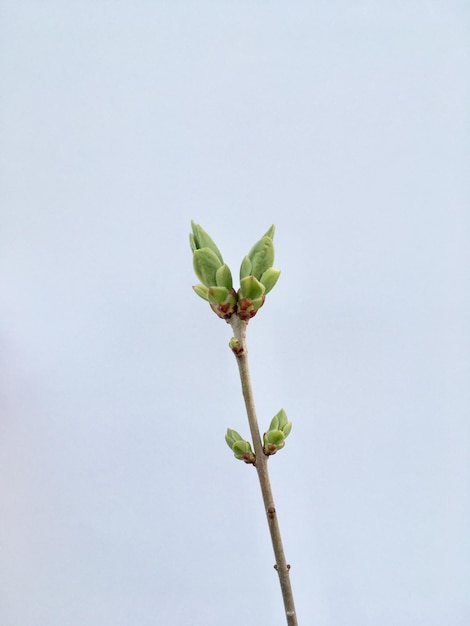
[223,277]
[206,263]
[251,288]
[199,239]
[270,278]
[261,256]
[201,291]
[279,428]
[235,346]
[241,448]
[245,268]
[273,441]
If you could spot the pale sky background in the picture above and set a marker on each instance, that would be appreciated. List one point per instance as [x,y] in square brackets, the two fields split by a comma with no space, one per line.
[347,125]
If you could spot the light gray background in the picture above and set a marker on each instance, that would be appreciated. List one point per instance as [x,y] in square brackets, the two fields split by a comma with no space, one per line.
[344,123]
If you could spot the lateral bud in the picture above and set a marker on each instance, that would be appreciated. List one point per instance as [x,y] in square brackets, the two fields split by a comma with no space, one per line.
[235,346]
[239,446]
[279,429]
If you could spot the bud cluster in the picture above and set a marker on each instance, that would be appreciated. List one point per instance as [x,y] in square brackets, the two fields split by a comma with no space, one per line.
[274,438]
[241,448]
[257,275]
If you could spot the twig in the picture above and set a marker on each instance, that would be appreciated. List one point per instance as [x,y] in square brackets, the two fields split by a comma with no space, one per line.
[261,464]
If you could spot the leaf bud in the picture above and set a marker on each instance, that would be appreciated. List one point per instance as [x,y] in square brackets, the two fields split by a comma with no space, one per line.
[235,346]
[279,429]
[273,441]
[241,448]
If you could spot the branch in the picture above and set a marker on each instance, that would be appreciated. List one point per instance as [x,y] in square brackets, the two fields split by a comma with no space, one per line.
[261,464]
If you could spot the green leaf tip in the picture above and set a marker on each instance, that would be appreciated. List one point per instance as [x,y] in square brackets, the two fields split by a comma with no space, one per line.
[202,291]
[199,239]
[270,232]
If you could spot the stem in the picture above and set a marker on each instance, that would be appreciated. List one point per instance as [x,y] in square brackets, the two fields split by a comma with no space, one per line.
[261,464]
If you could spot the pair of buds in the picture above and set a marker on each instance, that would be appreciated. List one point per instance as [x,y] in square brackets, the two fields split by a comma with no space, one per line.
[273,439]
[257,275]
